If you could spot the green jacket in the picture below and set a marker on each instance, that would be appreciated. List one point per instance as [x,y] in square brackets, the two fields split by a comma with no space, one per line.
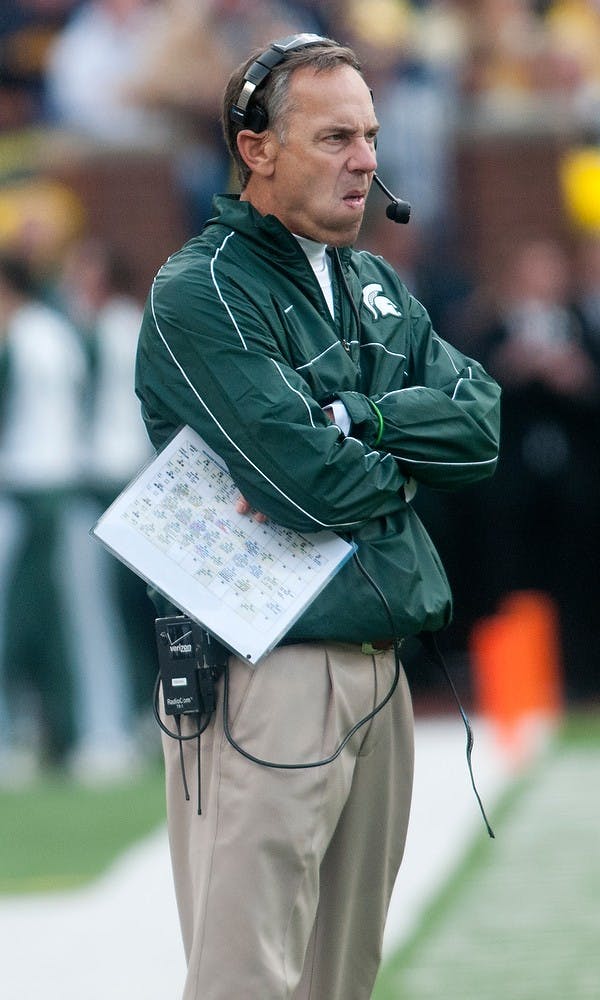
[238,342]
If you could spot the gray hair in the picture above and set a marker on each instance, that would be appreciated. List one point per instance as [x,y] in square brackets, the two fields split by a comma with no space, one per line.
[273,95]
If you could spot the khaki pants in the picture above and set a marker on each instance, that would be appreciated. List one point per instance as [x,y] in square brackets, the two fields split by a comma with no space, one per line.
[284,881]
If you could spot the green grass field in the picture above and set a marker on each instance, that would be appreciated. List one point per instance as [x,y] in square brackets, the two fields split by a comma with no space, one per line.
[520,919]
[57,834]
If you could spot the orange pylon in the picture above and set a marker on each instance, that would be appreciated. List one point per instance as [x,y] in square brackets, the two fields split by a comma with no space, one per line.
[516,662]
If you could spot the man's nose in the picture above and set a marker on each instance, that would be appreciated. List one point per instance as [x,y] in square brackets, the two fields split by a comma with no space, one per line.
[363,156]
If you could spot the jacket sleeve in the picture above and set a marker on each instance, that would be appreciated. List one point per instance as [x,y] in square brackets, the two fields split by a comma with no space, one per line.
[443,425]
[212,361]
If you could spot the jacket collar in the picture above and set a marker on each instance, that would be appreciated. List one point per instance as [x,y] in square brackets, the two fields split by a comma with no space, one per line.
[268,235]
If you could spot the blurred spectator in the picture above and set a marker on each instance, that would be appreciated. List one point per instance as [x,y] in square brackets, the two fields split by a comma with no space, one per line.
[95,291]
[67,685]
[412,55]
[90,64]
[541,529]
[40,455]
[186,66]
[114,616]
[39,218]
[506,50]
[573,29]
[587,292]
[149,74]
[534,63]
[27,28]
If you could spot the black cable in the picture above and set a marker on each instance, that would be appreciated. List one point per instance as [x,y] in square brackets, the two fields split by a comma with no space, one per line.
[313,763]
[181,760]
[199,786]
[427,638]
[432,649]
[169,732]
[347,289]
[430,645]
[181,739]
[395,643]
[367,718]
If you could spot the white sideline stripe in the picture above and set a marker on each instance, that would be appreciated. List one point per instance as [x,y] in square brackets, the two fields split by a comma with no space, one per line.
[131,912]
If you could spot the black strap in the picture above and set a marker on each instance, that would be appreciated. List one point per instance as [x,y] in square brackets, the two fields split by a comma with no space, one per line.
[432,650]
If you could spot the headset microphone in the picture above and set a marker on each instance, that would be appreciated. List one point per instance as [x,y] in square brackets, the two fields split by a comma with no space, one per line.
[398,211]
[246,113]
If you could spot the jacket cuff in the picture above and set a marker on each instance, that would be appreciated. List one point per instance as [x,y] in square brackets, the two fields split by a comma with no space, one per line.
[366,421]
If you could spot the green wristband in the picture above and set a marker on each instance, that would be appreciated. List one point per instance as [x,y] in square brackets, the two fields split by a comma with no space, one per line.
[380,422]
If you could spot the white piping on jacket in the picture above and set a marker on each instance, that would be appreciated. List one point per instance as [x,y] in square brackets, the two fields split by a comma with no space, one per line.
[318,357]
[375,343]
[212,416]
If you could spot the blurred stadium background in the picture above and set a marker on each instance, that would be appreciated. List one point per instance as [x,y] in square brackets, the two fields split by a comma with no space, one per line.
[109,154]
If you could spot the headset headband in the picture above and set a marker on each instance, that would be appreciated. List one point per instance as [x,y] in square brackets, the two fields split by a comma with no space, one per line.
[257,73]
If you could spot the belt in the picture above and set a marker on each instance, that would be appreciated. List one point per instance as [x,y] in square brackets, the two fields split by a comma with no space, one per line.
[369,648]
[378,646]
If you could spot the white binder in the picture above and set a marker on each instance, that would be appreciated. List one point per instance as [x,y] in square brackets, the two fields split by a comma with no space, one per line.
[247,582]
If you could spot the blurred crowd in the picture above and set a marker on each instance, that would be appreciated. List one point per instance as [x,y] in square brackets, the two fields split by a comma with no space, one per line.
[103,78]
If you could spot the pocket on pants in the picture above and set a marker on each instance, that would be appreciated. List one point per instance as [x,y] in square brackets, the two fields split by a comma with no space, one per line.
[284,713]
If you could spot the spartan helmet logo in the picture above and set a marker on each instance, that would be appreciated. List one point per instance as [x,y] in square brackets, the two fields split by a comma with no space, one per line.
[374,300]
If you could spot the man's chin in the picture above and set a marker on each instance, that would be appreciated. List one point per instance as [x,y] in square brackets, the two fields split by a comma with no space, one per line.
[344,241]
[339,235]
[335,231]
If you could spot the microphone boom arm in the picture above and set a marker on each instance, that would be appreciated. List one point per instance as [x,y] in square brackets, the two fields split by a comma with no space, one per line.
[398,211]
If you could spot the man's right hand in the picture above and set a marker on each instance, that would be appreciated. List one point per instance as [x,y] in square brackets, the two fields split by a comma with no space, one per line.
[243,507]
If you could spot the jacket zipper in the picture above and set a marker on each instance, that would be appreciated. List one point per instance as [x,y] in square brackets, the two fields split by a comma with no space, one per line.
[345,298]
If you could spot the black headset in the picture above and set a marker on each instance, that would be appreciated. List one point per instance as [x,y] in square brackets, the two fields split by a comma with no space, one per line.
[255,118]
[245,114]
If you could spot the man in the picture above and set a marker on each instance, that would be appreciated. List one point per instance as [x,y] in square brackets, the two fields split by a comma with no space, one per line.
[40,468]
[314,374]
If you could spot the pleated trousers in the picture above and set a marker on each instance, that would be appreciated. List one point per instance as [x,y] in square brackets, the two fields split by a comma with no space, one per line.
[284,880]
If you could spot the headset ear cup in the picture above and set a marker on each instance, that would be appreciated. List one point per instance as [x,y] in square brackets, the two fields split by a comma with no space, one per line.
[256,119]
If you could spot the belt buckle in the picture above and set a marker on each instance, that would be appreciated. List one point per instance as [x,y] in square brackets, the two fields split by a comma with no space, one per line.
[376,647]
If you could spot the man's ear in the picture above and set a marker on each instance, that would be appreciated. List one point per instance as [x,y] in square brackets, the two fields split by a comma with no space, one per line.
[258,151]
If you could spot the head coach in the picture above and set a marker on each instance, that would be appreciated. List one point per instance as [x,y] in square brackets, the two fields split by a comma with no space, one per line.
[317,377]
